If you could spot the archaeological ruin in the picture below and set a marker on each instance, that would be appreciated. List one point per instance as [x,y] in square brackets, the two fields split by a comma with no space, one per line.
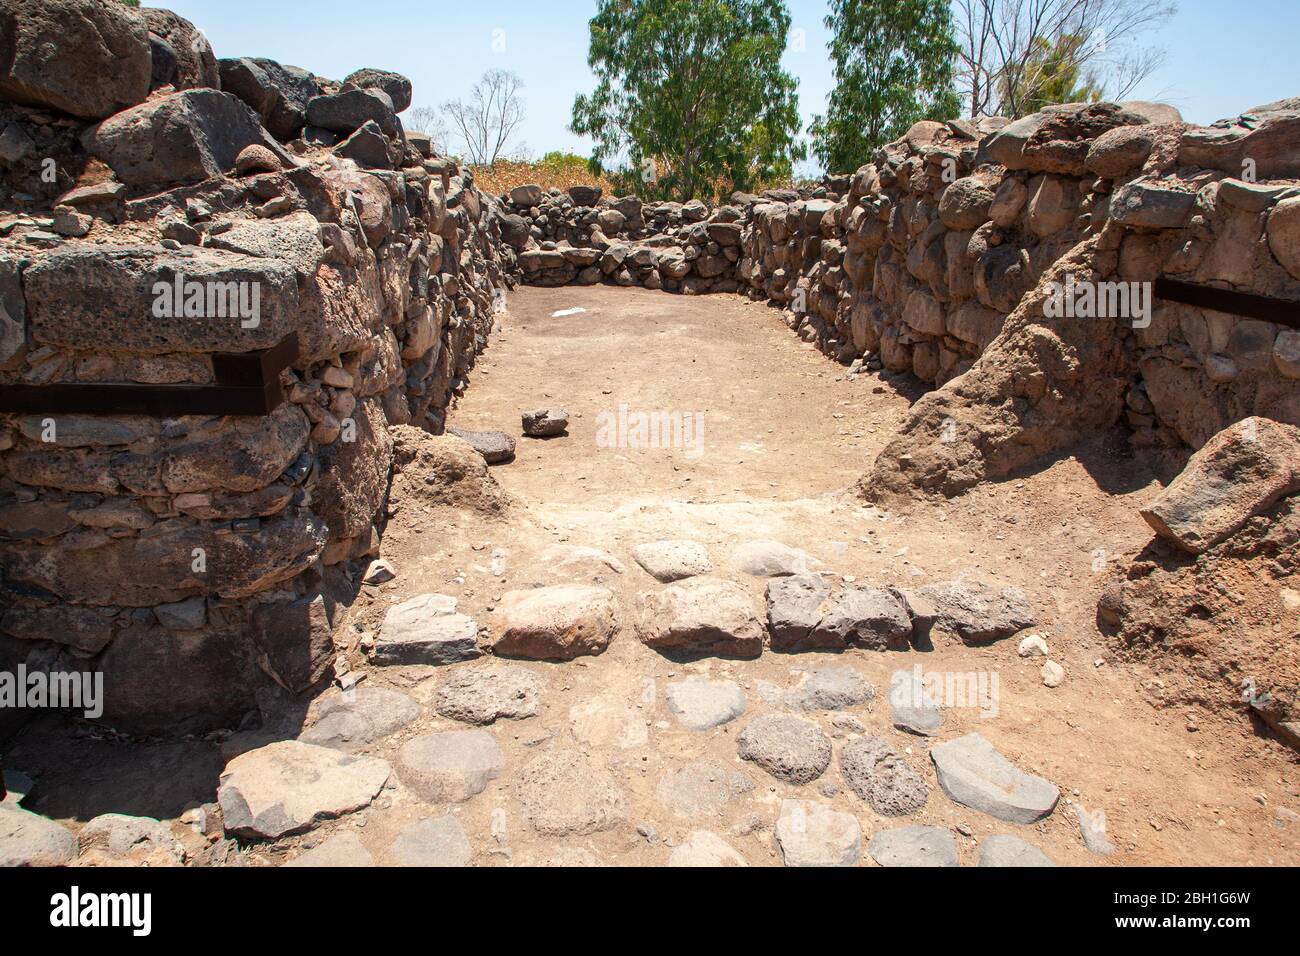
[987,552]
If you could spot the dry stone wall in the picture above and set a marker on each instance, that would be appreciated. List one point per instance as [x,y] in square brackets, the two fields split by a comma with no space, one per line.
[199,561]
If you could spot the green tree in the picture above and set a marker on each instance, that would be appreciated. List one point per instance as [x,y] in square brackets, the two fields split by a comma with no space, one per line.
[893,66]
[1052,73]
[691,93]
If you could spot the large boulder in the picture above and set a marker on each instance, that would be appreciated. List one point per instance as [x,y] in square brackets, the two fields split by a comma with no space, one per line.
[277,92]
[1237,474]
[974,774]
[348,111]
[181,55]
[186,137]
[395,85]
[84,57]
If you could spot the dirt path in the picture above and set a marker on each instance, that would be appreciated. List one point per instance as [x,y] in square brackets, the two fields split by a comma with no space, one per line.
[784,432]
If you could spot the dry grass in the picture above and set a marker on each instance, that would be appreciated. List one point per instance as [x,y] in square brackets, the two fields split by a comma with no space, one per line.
[560,174]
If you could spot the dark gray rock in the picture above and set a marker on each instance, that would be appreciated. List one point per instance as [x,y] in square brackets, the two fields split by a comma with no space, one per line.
[348,111]
[794,610]
[1006,850]
[482,695]
[545,422]
[395,85]
[495,447]
[702,704]
[341,850]
[910,707]
[181,56]
[914,846]
[182,138]
[356,718]
[367,147]
[974,774]
[278,93]
[878,775]
[294,238]
[84,57]
[426,630]
[438,842]
[789,748]
[450,767]
[975,611]
[830,688]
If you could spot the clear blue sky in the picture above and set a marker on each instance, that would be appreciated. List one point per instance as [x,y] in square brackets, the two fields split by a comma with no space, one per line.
[1222,57]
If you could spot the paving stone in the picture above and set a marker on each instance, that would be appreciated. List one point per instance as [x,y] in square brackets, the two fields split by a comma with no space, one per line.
[794,609]
[30,840]
[426,630]
[973,773]
[830,688]
[977,612]
[545,422]
[289,787]
[805,613]
[1007,850]
[450,767]
[482,695]
[669,561]
[910,707]
[914,846]
[125,838]
[702,788]
[701,616]
[880,776]
[562,792]
[789,748]
[701,704]
[603,722]
[354,719]
[437,842]
[705,848]
[812,834]
[342,849]
[769,559]
[554,623]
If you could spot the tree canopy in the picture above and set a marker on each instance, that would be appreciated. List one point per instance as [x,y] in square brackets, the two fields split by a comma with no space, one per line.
[691,93]
[893,66]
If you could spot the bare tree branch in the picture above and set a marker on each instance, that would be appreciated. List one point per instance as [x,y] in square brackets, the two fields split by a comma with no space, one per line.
[489,119]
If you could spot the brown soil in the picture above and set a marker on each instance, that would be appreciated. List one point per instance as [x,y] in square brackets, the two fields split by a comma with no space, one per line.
[786,431]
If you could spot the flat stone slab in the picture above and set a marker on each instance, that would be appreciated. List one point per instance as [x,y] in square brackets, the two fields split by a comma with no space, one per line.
[450,767]
[669,561]
[353,719]
[482,695]
[974,774]
[701,788]
[812,834]
[437,842]
[705,848]
[910,707]
[341,850]
[495,447]
[289,787]
[975,611]
[1238,473]
[426,630]
[789,748]
[1006,850]
[830,688]
[805,613]
[554,623]
[562,792]
[914,846]
[30,840]
[768,559]
[701,704]
[605,722]
[880,776]
[701,616]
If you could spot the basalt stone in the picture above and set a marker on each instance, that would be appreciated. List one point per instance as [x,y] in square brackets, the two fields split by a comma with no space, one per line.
[562,792]
[914,846]
[975,611]
[367,147]
[181,55]
[67,289]
[426,630]
[432,843]
[1006,850]
[789,748]
[294,238]
[395,85]
[878,775]
[701,615]
[30,840]
[545,422]
[450,767]
[185,137]
[349,110]
[296,639]
[357,718]
[812,834]
[495,447]
[554,623]
[278,93]
[83,57]
[974,774]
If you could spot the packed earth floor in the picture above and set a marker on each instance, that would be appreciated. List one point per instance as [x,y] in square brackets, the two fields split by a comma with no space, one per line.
[785,432]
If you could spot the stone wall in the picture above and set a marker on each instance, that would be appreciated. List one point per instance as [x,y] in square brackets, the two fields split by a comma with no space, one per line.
[199,561]
[950,241]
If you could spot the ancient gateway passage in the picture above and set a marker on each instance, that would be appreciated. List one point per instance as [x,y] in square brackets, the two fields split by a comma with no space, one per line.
[416,469]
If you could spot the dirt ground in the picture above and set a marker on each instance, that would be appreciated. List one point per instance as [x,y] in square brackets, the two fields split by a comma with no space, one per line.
[785,431]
